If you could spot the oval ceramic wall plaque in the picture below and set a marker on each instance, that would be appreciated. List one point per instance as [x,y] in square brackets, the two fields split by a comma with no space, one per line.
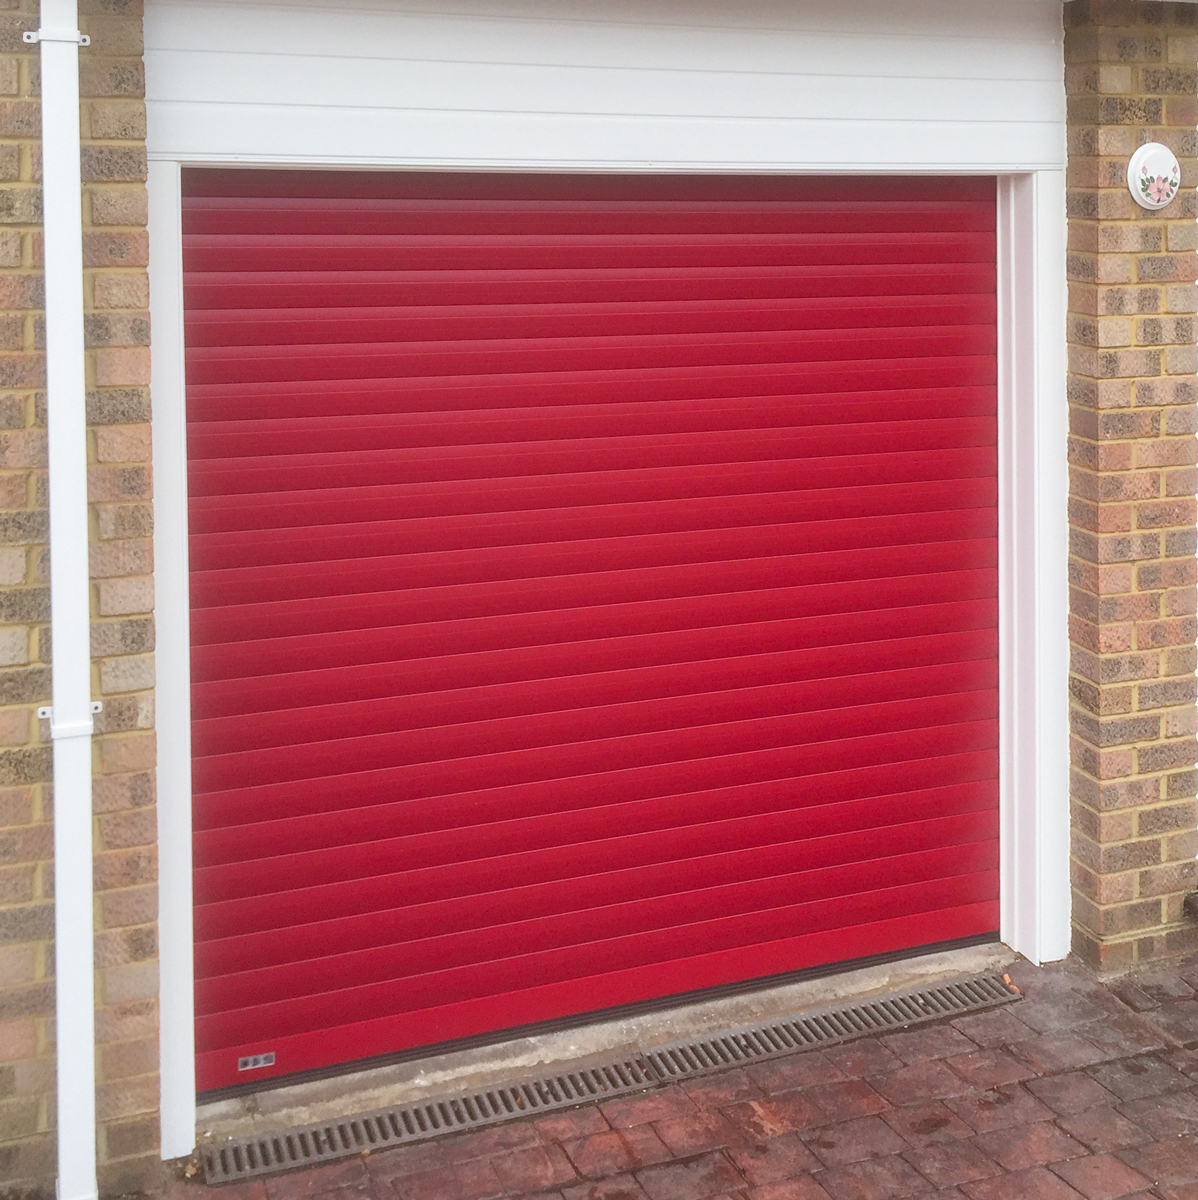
[1153,175]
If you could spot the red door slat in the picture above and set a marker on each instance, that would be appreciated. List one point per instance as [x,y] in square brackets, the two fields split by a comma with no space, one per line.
[594,592]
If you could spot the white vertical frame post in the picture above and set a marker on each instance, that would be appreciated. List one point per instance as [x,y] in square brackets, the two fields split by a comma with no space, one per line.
[70,602]
[1033,558]
[173,671]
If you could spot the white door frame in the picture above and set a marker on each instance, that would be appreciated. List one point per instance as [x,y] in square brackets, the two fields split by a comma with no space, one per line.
[1033,599]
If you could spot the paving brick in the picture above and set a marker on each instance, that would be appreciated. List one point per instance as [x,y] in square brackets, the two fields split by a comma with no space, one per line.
[920,1082]
[1000,1108]
[946,1163]
[1177,1021]
[1100,1177]
[454,1181]
[865,1057]
[1172,1162]
[999,1027]
[616,1152]
[706,1175]
[618,1187]
[938,1041]
[537,1169]
[346,1175]
[654,1106]
[762,1119]
[1133,1078]
[569,1126]
[989,1068]
[1036,1184]
[851,1141]
[1050,1052]
[1120,1037]
[852,1098]
[790,1189]
[718,1090]
[1032,1145]
[780,1158]
[1103,1129]
[795,1071]
[696,1132]
[1072,1092]
[1172,1115]
[1066,1011]
[925,1124]
[876,1179]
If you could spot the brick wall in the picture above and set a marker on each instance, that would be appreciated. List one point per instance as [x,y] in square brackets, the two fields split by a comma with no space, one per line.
[117,324]
[1131,79]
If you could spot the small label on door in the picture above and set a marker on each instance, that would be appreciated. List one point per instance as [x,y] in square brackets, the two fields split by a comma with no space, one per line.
[252,1062]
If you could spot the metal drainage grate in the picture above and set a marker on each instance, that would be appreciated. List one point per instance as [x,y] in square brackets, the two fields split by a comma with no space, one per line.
[243,1158]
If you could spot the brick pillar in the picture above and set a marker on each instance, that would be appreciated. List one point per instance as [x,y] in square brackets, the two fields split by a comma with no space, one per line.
[118,403]
[1130,78]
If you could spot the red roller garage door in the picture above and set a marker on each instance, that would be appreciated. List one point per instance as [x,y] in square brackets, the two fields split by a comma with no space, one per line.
[594,593]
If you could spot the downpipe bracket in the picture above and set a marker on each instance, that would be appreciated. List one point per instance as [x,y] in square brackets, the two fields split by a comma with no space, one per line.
[70,728]
[33,36]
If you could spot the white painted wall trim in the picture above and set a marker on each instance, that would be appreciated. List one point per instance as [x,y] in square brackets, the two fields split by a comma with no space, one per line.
[70,604]
[172,666]
[1033,554]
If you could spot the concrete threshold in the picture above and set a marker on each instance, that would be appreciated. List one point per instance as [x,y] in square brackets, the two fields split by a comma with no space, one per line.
[502,1062]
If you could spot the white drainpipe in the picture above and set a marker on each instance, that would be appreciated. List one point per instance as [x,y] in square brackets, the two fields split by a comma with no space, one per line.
[71,714]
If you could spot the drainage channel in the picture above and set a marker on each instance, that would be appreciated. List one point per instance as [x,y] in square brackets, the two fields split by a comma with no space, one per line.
[309,1145]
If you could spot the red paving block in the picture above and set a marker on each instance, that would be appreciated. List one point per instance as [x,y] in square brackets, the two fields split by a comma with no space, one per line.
[946,1163]
[1029,1145]
[759,1120]
[1103,1129]
[876,1179]
[1178,1022]
[940,1041]
[1173,1162]
[719,1090]
[616,1152]
[1036,1184]
[692,1134]
[1057,1052]
[1073,1092]
[866,1057]
[568,1126]
[1000,1108]
[841,1101]
[652,1106]
[1100,1177]
[1167,1116]
[1165,986]
[804,1188]
[706,1175]
[795,1071]
[919,1083]
[1121,1037]
[926,1124]
[617,1187]
[454,1181]
[1064,1010]
[1134,1078]
[851,1141]
[783,1157]
[999,1027]
[538,1169]
[989,1068]
[349,1174]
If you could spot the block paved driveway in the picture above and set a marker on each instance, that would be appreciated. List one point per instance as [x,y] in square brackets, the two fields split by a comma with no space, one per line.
[1080,1090]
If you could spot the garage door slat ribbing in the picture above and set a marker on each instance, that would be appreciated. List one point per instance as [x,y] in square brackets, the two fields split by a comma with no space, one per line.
[594,593]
